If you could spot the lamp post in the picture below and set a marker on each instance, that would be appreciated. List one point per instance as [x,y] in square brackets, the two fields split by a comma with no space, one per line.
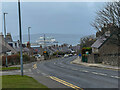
[5,36]
[20,34]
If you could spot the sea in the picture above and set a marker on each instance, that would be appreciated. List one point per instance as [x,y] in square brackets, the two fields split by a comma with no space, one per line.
[71,39]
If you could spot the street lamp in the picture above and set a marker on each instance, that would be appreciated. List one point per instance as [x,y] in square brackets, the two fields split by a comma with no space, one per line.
[20,34]
[5,36]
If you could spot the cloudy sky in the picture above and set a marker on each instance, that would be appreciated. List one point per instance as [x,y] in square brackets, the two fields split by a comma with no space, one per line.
[52,17]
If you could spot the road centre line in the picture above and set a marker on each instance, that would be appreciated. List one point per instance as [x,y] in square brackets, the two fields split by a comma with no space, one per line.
[102,74]
[84,70]
[115,76]
[65,83]
[94,73]
[99,73]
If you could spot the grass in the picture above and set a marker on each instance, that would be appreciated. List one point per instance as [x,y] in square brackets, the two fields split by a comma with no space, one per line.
[9,68]
[17,81]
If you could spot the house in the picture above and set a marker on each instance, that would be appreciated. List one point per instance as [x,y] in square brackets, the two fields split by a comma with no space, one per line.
[5,47]
[9,40]
[106,48]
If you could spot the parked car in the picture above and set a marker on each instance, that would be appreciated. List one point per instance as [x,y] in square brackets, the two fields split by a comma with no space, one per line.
[66,55]
[75,54]
[37,56]
[70,54]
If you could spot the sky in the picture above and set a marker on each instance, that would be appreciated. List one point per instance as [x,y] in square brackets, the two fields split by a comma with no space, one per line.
[52,17]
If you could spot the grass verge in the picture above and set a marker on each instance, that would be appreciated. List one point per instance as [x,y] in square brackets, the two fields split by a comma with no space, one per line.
[17,81]
[9,68]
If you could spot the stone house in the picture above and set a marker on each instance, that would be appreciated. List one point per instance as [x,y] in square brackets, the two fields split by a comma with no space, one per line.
[106,48]
[9,40]
[5,47]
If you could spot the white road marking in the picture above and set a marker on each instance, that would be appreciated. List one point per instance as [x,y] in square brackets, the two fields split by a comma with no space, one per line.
[102,74]
[115,76]
[99,73]
[84,71]
[94,73]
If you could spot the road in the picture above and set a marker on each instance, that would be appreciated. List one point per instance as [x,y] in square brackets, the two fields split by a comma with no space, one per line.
[62,71]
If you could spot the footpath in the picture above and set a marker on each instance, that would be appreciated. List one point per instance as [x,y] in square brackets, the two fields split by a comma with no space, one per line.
[79,62]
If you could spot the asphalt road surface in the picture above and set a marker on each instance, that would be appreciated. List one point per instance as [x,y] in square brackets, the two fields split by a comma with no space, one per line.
[60,73]
[77,76]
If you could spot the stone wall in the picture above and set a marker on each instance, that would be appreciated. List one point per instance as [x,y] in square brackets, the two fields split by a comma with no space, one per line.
[109,52]
[91,58]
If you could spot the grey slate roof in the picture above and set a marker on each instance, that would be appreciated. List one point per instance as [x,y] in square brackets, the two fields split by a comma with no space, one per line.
[99,42]
[4,48]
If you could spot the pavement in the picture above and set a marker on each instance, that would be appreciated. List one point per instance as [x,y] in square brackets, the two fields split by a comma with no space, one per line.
[79,62]
[61,74]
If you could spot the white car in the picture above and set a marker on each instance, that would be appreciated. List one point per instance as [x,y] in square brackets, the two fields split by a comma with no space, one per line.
[66,55]
[70,54]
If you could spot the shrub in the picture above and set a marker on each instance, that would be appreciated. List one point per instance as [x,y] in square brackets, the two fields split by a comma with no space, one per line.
[15,59]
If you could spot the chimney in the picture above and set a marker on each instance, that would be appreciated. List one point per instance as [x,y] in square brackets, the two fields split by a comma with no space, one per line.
[107,33]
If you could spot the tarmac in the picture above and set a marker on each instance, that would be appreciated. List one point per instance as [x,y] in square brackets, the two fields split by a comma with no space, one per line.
[78,61]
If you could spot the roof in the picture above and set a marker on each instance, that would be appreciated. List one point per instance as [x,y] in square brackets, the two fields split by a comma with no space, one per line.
[99,42]
[4,48]
[102,39]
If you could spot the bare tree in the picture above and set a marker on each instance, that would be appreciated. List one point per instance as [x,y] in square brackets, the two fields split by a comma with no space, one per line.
[87,41]
[110,14]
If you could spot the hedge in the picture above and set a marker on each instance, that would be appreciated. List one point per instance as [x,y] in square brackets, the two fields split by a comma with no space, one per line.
[15,59]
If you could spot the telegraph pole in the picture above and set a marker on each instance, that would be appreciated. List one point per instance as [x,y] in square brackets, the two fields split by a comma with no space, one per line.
[29,39]
[29,34]
[20,33]
[44,41]
[5,37]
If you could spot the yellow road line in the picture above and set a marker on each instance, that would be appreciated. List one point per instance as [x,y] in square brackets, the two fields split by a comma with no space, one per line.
[34,66]
[65,83]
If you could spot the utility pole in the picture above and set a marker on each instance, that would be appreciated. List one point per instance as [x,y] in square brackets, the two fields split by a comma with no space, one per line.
[20,33]
[44,41]
[29,40]
[5,37]
[29,34]
[44,48]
